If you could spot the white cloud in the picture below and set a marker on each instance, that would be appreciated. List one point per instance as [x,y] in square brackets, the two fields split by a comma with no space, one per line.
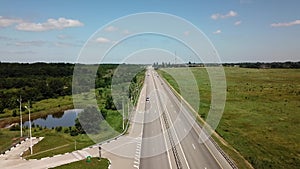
[102,40]
[51,24]
[111,29]
[5,22]
[220,16]
[63,37]
[217,31]
[65,44]
[237,23]
[286,24]
[28,43]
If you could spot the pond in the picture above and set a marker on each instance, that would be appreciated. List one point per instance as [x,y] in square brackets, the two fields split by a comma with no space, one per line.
[64,119]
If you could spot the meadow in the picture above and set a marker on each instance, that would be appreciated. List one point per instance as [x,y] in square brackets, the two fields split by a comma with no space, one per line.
[261,119]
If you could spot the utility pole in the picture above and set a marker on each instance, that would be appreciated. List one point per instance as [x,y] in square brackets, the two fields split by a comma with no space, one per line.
[21,123]
[28,108]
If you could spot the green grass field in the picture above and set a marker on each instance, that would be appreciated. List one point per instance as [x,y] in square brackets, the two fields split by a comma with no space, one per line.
[262,114]
[56,143]
[94,164]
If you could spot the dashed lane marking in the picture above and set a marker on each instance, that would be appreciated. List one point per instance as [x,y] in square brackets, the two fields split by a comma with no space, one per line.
[194,146]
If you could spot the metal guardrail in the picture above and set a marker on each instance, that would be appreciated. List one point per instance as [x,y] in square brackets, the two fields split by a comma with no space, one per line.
[228,159]
[173,145]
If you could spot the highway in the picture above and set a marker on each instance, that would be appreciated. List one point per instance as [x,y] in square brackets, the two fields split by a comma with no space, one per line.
[170,133]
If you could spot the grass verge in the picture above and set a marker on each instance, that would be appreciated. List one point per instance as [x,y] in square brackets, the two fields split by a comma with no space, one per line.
[94,164]
[8,138]
[56,143]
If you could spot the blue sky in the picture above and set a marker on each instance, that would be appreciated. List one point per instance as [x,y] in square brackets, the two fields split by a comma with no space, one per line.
[240,30]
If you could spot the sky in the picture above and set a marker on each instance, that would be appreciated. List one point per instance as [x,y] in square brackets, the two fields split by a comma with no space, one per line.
[239,30]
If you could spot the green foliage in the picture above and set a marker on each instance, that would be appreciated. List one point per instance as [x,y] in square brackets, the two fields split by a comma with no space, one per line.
[109,103]
[78,127]
[58,129]
[14,114]
[90,120]
[7,138]
[94,164]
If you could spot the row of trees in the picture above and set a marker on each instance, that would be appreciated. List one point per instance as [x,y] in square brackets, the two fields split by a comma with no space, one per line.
[40,81]
[291,65]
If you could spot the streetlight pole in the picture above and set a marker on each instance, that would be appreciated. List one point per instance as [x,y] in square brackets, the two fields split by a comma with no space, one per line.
[21,123]
[28,108]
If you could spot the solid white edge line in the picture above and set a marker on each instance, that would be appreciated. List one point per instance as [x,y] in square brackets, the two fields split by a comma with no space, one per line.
[177,139]
[193,126]
[168,154]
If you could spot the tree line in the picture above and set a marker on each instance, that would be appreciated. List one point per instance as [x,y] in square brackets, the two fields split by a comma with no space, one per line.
[38,81]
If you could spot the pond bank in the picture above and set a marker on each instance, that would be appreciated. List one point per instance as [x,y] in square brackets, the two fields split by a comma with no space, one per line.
[56,110]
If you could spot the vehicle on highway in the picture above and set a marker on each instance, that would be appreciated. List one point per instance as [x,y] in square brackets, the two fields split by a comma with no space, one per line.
[147,99]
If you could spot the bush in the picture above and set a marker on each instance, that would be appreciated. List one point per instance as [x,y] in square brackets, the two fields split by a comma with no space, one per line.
[74,132]
[14,113]
[66,130]
[58,129]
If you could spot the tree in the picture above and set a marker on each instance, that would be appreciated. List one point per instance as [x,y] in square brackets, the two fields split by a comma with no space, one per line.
[109,103]
[14,113]
[90,120]
[79,127]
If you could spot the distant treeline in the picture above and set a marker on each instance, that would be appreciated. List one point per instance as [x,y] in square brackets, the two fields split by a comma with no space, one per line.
[285,65]
[263,65]
[40,81]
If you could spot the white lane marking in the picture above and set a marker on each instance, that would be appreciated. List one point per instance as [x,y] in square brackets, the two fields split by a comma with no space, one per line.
[187,115]
[194,146]
[187,164]
[162,128]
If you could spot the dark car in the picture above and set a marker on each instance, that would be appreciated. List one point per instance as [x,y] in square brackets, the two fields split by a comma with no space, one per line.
[147,99]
